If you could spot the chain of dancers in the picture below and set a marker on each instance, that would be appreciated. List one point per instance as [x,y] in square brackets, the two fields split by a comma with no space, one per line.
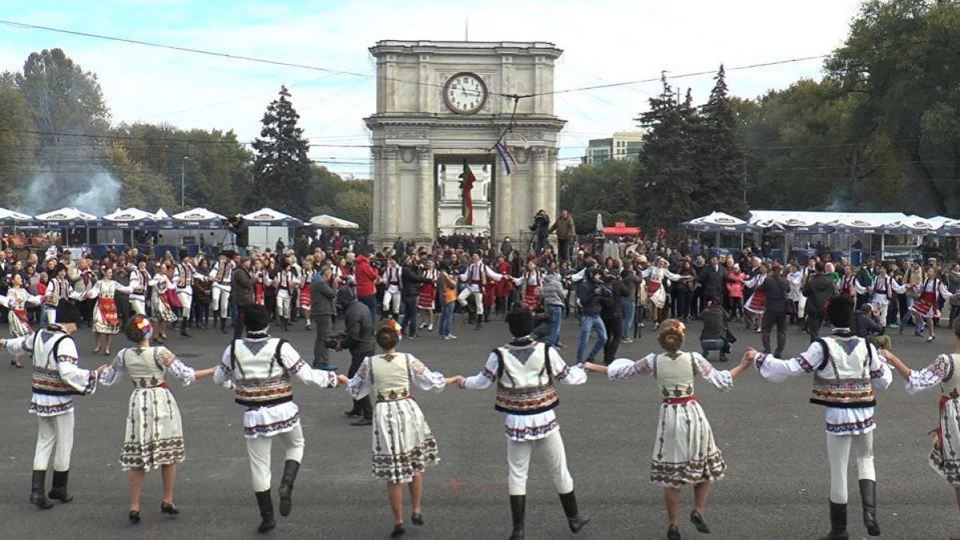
[259,369]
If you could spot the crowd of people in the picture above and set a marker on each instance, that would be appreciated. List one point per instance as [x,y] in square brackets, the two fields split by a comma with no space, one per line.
[610,288]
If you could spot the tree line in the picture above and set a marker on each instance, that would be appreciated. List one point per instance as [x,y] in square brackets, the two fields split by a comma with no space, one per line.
[880,131]
[59,147]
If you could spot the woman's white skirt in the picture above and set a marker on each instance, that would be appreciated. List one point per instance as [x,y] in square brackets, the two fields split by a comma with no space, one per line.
[685,452]
[402,442]
[154,434]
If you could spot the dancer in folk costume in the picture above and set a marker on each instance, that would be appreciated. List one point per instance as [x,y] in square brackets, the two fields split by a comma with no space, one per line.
[945,455]
[526,373]
[531,283]
[140,281]
[427,301]
[795,277]
[154,432]
[657,293]
[58,290]
[883,291]
[850,288]
[56,379]
[478,277]
[503,288]
[304,297]
[393,285]
[403,444]
[927,307]
[16,301]
[686,453]
[162,310]
[757,302]
[259,288]
[106,320]
[222,277]
[184,274]
[285,282]
[847,371]
[259,369]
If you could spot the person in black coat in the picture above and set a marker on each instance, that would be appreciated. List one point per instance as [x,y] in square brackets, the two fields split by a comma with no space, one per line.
[712,279]
[775,313]
[359,341]
[818,289]
[323,293]
[411,277]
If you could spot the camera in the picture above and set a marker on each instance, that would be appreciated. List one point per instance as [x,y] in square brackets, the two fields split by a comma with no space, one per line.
[335,340]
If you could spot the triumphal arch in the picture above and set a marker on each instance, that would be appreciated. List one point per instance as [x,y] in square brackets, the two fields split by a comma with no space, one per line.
[442,107]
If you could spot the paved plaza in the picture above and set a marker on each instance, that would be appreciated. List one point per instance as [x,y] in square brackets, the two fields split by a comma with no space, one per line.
[771,436]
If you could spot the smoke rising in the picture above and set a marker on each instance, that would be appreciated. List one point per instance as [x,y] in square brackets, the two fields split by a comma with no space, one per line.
[96,192]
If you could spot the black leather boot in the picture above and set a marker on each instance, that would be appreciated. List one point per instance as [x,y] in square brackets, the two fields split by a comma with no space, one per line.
[223,326]
[290,469]
[59,490]
[183,328]
[267,522]
[569,502]
[868,494]
[518,508]
[838,522]
[37,498]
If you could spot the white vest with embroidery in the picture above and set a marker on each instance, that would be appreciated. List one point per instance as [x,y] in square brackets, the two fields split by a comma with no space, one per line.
[843,378]
[525,384]
[390,376]
[950,385]
[260,380]
[675,374]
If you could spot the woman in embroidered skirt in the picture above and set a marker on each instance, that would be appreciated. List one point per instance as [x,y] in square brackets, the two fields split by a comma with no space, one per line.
[402,442]
[154,434]
[427,301]
[16,301]
[757,303]
[531,282]
[304,298]
[945,455]
[685,453]
[162,310]
[106,321]
[928,305]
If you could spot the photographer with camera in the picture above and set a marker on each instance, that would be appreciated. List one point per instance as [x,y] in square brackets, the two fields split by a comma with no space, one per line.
[241,233]
[541,231]
[358,339]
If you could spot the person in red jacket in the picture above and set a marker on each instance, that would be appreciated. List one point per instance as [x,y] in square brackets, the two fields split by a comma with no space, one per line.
[366,277]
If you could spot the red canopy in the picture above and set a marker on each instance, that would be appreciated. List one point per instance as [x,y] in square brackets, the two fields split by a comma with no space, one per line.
[620,229]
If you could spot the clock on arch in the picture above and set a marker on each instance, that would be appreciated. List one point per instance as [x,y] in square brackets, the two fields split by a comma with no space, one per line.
[465,93]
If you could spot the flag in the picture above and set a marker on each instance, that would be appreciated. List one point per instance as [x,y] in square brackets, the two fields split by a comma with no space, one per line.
[506,156]
[466,185]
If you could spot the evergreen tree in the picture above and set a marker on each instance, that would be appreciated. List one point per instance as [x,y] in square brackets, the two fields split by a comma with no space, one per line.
[281,167]
[667,177]
[719,157]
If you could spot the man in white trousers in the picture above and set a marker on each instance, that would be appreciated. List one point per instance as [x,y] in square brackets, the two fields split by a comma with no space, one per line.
[259,369]
[183,276]
[846,371]
[56,379]
[222,275]
[477,276]
[526,373]
[139,282]
[393,280]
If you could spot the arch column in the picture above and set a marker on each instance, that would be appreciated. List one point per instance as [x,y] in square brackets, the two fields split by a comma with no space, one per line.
[539,180]
[427,193]
[391,219]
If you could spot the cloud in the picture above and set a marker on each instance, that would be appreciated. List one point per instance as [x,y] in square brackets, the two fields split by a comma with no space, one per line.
[602,41]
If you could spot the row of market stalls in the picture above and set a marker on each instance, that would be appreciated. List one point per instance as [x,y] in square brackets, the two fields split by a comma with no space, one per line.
[151,230]
[889,235]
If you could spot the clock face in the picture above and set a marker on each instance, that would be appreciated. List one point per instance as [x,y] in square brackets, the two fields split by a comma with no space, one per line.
[465,93]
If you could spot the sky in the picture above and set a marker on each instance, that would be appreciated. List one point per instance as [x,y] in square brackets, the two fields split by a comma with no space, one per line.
[604,41]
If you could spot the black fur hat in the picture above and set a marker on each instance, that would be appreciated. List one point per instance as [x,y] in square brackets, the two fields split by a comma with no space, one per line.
[520,322]
[68,313]
[839,311]
[256,318]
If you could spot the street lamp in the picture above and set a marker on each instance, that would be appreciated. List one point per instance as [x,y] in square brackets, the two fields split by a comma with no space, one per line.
[182,181]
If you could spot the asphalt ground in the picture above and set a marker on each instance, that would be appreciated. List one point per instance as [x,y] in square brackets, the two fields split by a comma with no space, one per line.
[772,438]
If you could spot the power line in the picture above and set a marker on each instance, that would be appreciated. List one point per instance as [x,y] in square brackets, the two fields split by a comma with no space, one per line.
[681,76]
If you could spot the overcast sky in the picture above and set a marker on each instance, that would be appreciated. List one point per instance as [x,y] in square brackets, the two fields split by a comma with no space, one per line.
[603,41]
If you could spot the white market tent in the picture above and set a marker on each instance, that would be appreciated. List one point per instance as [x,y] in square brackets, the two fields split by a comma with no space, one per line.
[332,222]
[12,218]
[131,218]
[66,217]
[199,215]
[268,217]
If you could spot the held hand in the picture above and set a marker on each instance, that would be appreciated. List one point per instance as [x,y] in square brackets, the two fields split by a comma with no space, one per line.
[595,368]
[342,380]
[458,380]
[3,343]
[750,355]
